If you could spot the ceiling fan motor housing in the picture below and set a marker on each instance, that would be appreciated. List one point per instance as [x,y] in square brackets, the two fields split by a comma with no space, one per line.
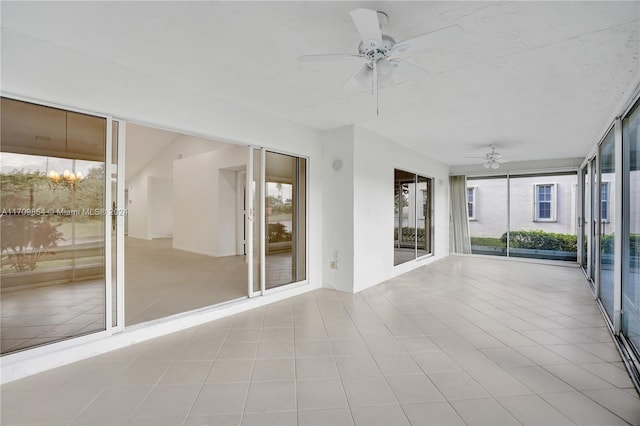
[372,52]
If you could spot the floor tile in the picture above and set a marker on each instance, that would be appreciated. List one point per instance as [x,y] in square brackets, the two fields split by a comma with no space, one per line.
[186,373]
[384,415]
[577,377]
[230,370]
[316,368]
[432,413]
[273,370]
[238,350]
[116,402]
[533,410]
[180,396]
[483,412]
[457,385]
[349,348]
[581,409]
[539,380]
[275,349]
[312,349]
[357,366]
[368,392]
[617,376]
[434,362]
[279,418]
[499,382]
[320,394]
[619,402]
[401,363]
[142,373]
[214,420]
[220,398]
[271,396]
[330,417]
[413,389]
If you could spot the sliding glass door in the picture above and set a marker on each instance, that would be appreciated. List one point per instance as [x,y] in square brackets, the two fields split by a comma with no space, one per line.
[631,242]
[606,221]
[413,207]
[54,222]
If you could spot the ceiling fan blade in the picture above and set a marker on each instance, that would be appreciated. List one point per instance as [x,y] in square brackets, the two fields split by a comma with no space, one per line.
[368,26]
[328,57]
[436,39]
[404,70]
[360,78]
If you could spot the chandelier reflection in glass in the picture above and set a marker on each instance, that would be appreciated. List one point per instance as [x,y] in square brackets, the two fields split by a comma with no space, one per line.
[66,178]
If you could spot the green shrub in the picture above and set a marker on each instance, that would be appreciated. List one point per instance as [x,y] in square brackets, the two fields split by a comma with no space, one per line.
[607,241]
[277,233]
[409,234]
[487,242]
[541,240]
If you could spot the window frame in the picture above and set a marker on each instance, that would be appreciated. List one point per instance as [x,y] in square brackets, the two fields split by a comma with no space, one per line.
[473,203]
[604,212]
[553,203]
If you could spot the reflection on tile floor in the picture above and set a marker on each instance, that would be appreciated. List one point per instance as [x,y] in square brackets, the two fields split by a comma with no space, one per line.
[38,315]
[461,341]
[161,281]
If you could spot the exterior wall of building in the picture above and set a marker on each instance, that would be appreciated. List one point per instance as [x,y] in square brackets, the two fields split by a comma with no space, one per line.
[491,204]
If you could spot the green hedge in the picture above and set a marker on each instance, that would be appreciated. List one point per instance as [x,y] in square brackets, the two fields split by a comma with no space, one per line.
[606,244]
[487,242]
[409,234]
[540,240]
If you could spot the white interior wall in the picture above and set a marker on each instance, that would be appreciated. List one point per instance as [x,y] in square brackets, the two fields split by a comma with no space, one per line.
[138,207]
[337,209]
[201,187]
[160,208]
[375,158]
[227,215]
[140,213]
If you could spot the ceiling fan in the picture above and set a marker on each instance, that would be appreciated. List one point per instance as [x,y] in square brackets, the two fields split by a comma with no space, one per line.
[379,52]
[491,159]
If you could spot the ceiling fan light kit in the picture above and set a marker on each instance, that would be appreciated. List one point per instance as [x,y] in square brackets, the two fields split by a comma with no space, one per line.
[381,68]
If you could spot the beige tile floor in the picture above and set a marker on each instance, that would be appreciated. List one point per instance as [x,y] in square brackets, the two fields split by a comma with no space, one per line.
[462,341]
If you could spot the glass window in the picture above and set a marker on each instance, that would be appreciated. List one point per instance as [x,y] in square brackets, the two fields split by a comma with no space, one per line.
[544,202]
[607,237]
[471,203]
[604,201]
[412,216]
[631,244]
[52,173]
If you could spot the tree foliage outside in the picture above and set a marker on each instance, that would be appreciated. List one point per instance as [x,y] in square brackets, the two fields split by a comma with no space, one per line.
[28,228]
[26,240]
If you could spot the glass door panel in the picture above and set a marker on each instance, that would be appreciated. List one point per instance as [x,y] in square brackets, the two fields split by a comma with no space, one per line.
[584,176]
[423,205]
[256,224]
[52,225]
[606,219]
[489,223]
[631,259]
[593,221]
[404,217]
[285,219]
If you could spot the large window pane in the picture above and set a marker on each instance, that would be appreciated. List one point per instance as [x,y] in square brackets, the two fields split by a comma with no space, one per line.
[488,223]
[52,225]
[413,206]
[631,279]
[285,218]
[542,216]
[607,183]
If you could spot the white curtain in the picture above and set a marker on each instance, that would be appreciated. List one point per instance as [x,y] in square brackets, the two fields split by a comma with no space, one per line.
[459,225]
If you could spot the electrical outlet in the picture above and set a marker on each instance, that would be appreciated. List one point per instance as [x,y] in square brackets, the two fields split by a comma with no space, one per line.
[334,264]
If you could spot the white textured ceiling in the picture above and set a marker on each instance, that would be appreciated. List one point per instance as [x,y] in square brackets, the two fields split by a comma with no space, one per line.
[540,80]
